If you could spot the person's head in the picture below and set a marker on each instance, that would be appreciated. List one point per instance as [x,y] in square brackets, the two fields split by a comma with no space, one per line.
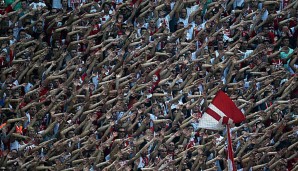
[266,29]
[24,5]
[220,36]
[55,51]
[275,117]
[10,31]
[144,153]
[64,3]
[217,75]
[121,133]
[255,3]
[180,148]
[56,83]
[220,45]
[22,34]
[32,110]
[183,13]
[4,44]
[171,147]
[152,23]
[286,41]
[271,8]
[161,14]
[106,8]
[54,10]
[143,31]
[120,18]
[38,138]
[16,94]
[31,132]
[70,134]
[180,25]
[190,128]
[74,37]
[2,4]
[163,152]
[124,27]
[198,19]
[13,154]
[73,53]
[244,45]
[226,23]
[39,26]
[156,110]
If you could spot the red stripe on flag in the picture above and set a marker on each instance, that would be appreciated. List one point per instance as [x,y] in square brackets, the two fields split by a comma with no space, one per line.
[213,114]
[223,102]
[225,120]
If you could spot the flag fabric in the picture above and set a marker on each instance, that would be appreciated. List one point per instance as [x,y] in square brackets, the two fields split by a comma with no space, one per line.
[231,165]
[222,110]
[19,129]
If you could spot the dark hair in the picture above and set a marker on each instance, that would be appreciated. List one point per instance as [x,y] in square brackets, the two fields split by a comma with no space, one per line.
[284,38]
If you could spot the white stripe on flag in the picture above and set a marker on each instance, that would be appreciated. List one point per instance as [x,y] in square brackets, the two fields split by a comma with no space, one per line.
[216,110]
[230,165]
[208,122]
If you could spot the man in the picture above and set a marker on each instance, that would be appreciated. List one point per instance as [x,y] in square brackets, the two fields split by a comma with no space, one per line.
[23,36]
[245,52]
[38,30]
[107,11]
[196,26]
[219,52]
[30,115]
[286,53]
[183,17]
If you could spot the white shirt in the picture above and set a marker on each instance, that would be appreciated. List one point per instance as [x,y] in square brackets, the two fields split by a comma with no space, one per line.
[28,87]
[35,5]
[166,20]
[246,53]
[105,18]
[142,162]
[191,9]
[15,145]
[28,121]
[184,21]
[265,15]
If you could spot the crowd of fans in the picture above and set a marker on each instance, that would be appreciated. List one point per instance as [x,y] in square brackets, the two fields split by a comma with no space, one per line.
[121,85]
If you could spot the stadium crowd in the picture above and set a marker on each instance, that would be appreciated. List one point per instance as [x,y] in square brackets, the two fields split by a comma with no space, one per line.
[121,85]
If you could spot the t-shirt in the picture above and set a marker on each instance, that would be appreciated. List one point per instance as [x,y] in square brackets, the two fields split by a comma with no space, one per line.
[184,21]
[165,20]
[6,10]
[247,53]
[9,2]
[191,9]
[35,5]
[238,3]
[284,55]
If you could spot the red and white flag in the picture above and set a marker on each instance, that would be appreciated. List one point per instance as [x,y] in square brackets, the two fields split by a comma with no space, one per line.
[221,111]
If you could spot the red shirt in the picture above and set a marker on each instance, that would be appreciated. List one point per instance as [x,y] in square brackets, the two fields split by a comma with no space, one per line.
[271,37]
[276,21]
[95,29]
[43,91]
[6,10]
